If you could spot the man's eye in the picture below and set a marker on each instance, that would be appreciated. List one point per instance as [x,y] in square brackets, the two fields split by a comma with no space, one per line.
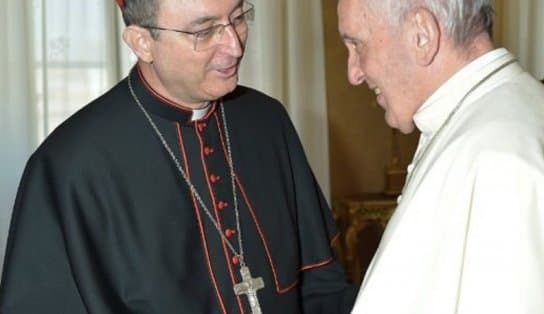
[351,44]
[205,33]
[357,45]
[238,19]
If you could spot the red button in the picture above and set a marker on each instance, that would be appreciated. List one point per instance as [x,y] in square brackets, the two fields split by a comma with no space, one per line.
[214,178]
[222,205]
[208,151]
[235,260]
[230,232]
[201,126]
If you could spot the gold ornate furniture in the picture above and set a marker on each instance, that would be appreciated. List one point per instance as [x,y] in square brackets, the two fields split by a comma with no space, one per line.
[353,216]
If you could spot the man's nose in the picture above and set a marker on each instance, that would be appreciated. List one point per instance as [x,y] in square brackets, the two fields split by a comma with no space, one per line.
[231,40]
[356,76]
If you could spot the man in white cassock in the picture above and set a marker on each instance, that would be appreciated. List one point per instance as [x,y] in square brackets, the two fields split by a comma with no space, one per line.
[467,236]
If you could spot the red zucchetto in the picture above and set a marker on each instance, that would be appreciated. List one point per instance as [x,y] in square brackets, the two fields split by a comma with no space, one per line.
[121,3]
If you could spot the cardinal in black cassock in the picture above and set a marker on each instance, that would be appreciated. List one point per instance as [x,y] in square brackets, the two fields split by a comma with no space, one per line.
[105,223]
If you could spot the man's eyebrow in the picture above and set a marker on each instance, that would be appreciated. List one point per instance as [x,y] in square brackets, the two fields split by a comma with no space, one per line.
[350,39]
[212,18]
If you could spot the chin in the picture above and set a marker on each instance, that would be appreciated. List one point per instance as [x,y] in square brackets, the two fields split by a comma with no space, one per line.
[224,89]
[391,121]
[406,129]
[227,88]
[403,127]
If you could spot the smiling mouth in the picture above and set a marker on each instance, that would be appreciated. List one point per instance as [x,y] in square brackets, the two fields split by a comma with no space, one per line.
[228,70]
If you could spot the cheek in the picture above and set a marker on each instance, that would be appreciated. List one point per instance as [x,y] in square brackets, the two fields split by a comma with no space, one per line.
[194,67]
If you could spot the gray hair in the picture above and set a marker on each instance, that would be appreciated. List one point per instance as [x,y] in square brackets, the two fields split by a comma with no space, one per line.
[462,19]
[141,12]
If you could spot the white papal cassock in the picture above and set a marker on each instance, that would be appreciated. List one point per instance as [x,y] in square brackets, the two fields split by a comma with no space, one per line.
[467,236]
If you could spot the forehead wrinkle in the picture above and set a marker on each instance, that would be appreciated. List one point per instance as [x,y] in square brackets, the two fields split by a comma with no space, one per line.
[213,18]
[356,18]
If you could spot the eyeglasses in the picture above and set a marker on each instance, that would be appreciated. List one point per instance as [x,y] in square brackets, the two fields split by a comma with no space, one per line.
[210,37]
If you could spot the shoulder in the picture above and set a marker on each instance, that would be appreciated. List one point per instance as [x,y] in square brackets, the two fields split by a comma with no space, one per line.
[254,103]
[258,118]
[521,98]
[95,122]
[509,120]
[244,93]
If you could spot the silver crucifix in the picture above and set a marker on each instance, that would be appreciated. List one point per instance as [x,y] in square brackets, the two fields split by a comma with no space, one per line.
[249,287]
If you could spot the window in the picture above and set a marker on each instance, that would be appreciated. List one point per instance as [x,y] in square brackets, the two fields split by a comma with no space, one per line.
[75,56]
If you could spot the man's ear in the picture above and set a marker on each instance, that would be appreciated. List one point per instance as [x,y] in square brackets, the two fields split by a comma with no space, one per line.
[424,35]
[140,42]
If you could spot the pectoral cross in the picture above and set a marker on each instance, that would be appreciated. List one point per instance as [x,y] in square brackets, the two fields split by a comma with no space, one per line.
[249,287]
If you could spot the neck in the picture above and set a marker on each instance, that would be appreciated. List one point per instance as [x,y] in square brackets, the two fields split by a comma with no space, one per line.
[159,87]
[480,45]
[453,58]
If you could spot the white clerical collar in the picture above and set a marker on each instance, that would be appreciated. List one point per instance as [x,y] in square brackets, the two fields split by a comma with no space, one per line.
[200,113]
[432,114]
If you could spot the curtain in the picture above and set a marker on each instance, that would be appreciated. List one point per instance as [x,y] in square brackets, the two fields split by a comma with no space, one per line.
[285,59]
[55,56]
[520,28]
[17,136]
[75,56]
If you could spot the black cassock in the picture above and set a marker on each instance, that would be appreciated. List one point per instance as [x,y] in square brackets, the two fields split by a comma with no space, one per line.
[104,223]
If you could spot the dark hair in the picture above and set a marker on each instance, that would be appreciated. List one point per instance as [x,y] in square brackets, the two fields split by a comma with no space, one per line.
[141,12]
